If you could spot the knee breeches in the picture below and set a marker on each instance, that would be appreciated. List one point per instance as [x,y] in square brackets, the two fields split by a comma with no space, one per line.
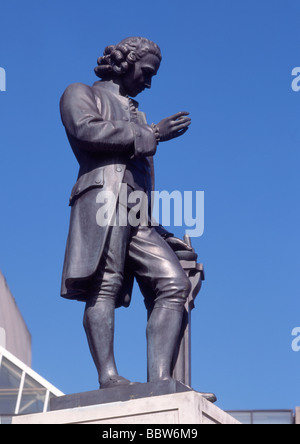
[155,266]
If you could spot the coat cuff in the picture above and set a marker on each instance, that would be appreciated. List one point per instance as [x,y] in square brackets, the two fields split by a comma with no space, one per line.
[145,143]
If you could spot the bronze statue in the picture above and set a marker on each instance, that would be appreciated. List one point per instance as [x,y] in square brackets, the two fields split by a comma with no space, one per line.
[114,146]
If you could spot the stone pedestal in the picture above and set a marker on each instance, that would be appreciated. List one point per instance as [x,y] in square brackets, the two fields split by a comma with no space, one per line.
[183,407]
[118,394]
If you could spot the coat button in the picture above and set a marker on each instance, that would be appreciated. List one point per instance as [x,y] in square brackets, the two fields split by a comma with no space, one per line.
[119,169]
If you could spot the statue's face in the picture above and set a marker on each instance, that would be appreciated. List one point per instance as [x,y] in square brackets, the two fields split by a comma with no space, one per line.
[139,75]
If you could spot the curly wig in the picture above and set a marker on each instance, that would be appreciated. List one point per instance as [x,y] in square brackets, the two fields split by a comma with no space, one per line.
[116,60]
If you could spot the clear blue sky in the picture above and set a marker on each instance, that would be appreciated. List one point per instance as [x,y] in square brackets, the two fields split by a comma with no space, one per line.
[229,63]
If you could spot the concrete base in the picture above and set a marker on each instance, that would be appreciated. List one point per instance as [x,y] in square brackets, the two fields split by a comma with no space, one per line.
[118,394]
[179,408]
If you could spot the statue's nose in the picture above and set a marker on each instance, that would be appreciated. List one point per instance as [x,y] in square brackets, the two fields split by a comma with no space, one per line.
[148,83]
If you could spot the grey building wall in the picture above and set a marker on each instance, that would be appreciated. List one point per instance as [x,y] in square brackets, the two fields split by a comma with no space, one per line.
[14,334]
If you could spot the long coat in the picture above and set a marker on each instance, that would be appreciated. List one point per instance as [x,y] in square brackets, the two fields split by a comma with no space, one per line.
[100,131]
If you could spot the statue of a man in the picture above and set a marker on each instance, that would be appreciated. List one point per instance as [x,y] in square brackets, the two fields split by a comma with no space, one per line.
[114,146]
